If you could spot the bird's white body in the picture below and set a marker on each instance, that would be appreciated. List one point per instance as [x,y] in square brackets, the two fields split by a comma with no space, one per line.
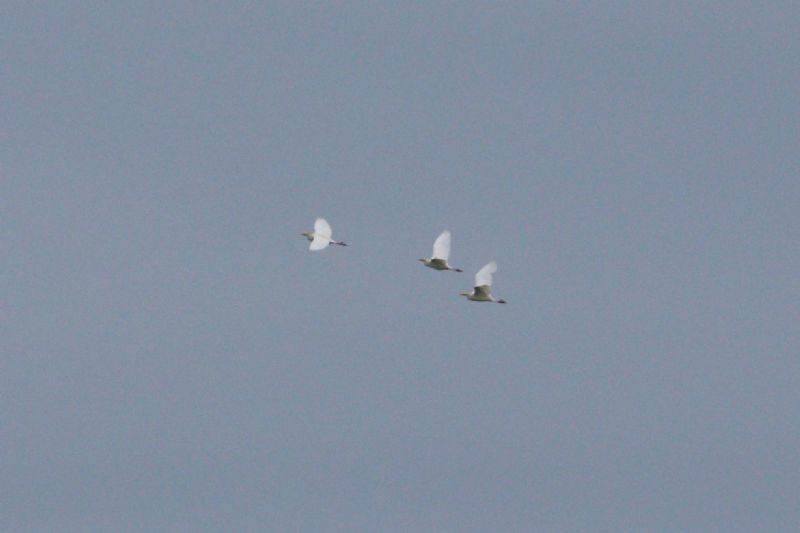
[482,292]
[321,236]
[441,253]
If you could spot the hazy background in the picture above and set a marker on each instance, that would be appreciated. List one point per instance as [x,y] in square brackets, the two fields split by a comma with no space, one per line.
[174,359]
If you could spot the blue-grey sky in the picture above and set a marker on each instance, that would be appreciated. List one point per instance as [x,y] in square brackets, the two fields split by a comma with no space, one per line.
[175,359]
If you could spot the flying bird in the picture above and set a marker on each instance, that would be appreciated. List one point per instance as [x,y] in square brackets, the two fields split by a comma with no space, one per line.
[321,236]
[441,251]
[483,285]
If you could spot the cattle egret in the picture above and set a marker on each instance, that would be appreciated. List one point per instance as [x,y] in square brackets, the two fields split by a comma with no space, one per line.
[483,285]
[321,236]
[441,251]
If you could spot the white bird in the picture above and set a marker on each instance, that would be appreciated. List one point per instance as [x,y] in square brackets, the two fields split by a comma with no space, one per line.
[441,251]
[321,236]
[483,285]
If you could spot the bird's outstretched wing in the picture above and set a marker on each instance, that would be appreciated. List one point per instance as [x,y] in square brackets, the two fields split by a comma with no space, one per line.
[441,246]
[484,275]
[319,243]
[321,227]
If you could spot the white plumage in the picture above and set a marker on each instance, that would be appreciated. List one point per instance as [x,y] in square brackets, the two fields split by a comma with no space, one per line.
[321,236]
[441,253]
[482,292]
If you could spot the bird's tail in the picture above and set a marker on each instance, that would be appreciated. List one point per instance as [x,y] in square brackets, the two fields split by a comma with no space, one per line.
[340,243]
[456,270]
[501,301]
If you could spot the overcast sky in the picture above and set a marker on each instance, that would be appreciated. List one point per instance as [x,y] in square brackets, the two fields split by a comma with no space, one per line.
[175,359]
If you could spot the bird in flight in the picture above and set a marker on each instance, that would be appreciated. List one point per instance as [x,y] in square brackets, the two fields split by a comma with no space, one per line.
[483,285]
[441,252]
[321,236]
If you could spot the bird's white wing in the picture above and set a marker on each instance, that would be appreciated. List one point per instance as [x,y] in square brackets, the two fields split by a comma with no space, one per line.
[319,243]
[484,275]
[321,227]
[441,246]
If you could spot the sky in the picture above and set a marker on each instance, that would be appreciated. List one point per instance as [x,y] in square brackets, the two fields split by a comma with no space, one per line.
[175,359]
